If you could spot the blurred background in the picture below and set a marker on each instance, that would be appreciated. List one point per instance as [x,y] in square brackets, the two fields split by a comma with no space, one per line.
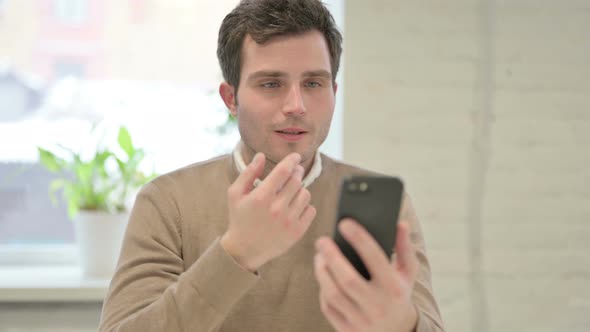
[482,106]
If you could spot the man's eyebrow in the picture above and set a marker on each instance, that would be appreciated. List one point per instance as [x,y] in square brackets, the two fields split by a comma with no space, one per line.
[271,73]
[265,73]
[318,73]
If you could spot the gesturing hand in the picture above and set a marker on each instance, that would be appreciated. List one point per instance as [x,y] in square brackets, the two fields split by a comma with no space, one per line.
[351,303]
[264,222]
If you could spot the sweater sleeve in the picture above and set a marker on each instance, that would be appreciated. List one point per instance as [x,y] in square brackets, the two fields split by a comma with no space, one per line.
[151,291]
[429,318]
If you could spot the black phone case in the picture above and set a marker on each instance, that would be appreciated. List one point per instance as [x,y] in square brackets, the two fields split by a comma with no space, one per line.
[374,202]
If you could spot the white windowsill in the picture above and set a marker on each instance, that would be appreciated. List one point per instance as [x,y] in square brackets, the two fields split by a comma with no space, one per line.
[49,283]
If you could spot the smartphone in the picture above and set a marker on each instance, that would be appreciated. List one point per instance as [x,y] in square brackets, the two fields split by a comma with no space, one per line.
[374,202]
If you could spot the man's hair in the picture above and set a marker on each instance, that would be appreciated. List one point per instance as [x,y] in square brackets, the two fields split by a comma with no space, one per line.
[265,19]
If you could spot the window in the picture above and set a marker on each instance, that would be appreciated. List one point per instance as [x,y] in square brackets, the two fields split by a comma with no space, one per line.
[71,11]
[158,77]
[67,68]
[14,97]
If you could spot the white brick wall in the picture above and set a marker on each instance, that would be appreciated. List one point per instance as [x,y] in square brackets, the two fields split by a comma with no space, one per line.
[420,76]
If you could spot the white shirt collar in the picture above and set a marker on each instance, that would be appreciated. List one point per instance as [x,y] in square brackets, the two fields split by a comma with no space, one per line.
[314,172]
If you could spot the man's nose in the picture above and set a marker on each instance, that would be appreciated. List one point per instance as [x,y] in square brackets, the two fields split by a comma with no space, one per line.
[294,104]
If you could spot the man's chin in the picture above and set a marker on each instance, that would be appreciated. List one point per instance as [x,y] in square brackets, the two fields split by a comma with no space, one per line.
[278,156]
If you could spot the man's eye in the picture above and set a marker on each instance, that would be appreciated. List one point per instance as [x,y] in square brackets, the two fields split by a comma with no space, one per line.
[313,84]
[270,85]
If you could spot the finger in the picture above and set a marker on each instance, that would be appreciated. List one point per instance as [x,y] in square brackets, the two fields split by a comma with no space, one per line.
[367,248]
[338,320]
[334,297]
[291,188]
[279,175]
[406,261]
[306,219]
[245,181]
[299,203]
[346,276]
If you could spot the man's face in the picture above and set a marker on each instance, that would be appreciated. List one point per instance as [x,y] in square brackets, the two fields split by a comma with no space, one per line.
[286,97]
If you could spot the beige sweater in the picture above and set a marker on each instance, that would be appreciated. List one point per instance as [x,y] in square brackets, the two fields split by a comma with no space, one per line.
[173,275]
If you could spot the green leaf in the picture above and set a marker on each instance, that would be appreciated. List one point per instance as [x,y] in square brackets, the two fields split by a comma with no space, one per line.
[100,162]
[72,209]
[54,186]
[84,173]
[72,196]
[125,142]
[70,151]
[101,157]
[74,163]
[49,160]
[133,162]
[122,166]
[92,187]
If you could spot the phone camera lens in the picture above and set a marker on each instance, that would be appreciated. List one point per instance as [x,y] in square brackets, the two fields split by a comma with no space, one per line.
[352,186]
[363,186]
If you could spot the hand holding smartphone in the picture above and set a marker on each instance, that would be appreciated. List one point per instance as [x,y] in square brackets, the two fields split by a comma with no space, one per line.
[375,203]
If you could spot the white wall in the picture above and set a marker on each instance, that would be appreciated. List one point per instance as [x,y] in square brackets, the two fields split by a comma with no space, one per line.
[483,107]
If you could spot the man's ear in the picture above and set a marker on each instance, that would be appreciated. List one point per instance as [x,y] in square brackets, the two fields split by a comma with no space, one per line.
[335,87]
[227,93]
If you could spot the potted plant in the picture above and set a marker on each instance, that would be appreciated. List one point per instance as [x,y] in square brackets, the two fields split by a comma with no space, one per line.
[97,191]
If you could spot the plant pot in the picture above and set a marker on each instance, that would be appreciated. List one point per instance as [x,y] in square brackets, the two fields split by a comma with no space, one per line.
[99,236]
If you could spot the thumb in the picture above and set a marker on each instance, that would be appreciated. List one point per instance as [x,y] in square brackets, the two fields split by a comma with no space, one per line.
[245,181]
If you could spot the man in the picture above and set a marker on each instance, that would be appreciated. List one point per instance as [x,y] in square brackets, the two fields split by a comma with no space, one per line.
[242,242]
